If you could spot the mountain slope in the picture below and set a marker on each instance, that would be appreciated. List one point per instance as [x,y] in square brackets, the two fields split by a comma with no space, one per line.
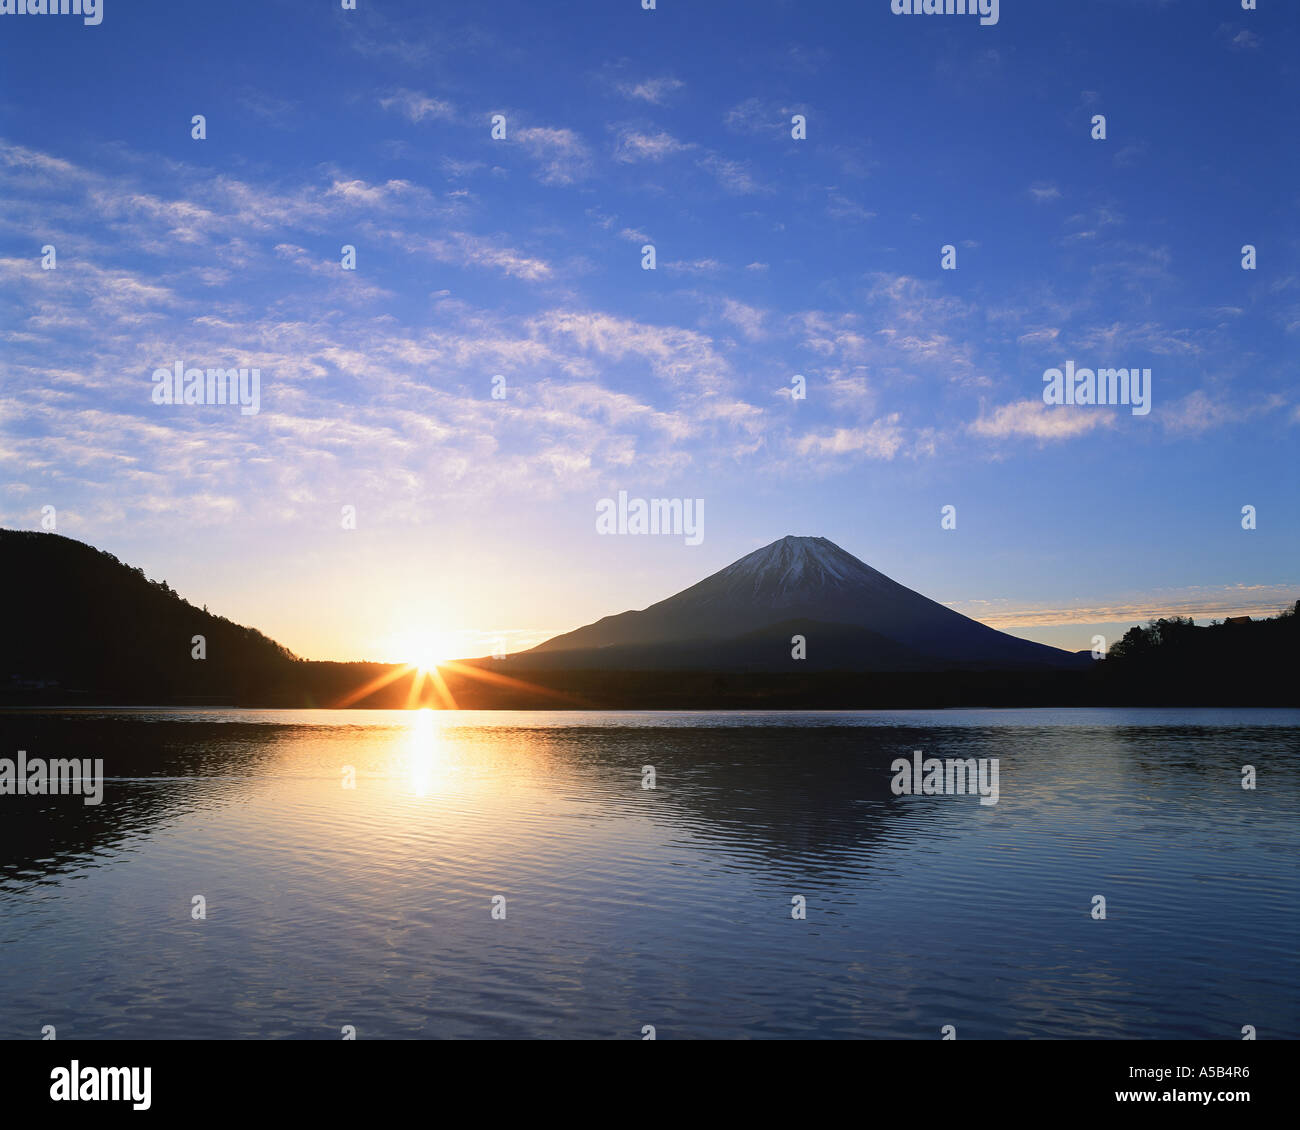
[78,618]
[879,623]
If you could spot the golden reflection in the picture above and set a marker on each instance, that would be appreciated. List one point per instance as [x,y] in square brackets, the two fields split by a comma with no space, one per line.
[424,753]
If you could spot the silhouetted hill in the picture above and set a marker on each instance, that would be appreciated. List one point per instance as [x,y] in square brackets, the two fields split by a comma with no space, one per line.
[1239,661]
[79,618]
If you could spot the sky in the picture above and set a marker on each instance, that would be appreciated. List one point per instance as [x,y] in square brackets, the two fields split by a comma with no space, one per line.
[381,499]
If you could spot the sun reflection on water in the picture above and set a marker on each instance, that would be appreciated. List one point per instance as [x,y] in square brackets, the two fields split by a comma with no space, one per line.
[424,754]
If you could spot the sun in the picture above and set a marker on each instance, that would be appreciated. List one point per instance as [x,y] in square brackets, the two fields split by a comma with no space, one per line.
[419,657]
[422,655]
[424,650]
[431,655]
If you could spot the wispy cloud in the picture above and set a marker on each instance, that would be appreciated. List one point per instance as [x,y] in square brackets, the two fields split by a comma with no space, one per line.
[634,145]
[562,155]
[417,107]
[466,249]
[734,176]
[1035,420]
[1239,38]
[656,91]
[758,117]
[1199,602]
[882,439]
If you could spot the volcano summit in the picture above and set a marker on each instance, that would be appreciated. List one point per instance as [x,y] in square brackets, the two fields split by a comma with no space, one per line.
[745,616]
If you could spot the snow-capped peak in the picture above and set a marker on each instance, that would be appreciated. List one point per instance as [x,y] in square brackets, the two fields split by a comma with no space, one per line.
[794,582]
[794,564]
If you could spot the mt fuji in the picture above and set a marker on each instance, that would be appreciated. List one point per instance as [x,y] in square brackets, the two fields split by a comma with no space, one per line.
[851,616]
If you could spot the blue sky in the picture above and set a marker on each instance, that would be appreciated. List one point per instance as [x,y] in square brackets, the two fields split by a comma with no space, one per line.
[522,258]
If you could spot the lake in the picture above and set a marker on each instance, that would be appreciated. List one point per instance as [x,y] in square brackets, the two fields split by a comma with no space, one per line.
[507,875]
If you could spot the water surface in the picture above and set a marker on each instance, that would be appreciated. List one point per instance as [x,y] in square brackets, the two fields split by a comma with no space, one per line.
[624,906]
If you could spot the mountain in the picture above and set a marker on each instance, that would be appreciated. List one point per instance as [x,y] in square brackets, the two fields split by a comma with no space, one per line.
[83,628]
[78,620]
[743,617]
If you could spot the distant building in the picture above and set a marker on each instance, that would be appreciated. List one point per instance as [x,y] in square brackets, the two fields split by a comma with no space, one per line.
[1238,620]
